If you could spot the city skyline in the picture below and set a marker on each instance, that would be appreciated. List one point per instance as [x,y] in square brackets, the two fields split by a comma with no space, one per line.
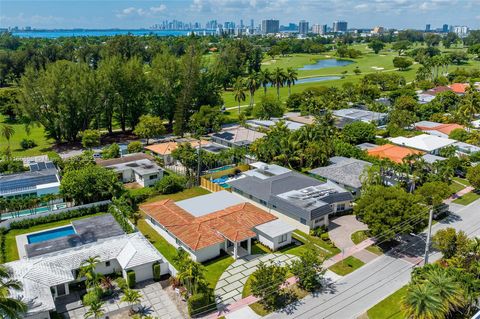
[143,14]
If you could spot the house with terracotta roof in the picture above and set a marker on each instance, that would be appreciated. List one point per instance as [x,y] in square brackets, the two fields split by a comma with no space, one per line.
[207,225]
[459,88]
[392,152]
[438,129]
[164,150]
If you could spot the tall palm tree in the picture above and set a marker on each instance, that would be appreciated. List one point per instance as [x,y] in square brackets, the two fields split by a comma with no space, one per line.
[265,78]
[95,310]
[470,104]
[291,77]
[252,83]
[131,297]
[278,79]
[10,307]
[7,132]
[239,91]
[422,301]
[87,271]
[448,290]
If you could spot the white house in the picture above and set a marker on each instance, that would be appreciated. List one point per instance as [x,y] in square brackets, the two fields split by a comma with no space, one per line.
[428,143]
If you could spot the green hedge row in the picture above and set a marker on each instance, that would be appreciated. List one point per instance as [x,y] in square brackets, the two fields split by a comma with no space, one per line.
[3,246]
[27,223]
[121,219]
[156,271]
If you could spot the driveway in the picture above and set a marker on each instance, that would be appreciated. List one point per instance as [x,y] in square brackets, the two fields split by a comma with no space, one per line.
[341,229]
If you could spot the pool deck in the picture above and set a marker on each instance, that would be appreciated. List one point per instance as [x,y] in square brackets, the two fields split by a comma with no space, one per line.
[22,240]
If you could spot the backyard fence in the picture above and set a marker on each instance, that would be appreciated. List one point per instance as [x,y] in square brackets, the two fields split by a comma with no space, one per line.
[205,183]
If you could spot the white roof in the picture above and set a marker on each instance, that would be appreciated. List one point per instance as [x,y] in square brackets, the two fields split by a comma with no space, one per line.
[275,228]
[264,171]
[269,123]
[38,274]
[206,204]
[423,142]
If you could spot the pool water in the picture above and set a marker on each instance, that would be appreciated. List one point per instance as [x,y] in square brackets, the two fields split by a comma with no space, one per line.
[318,79]
[50,234]
[328,63]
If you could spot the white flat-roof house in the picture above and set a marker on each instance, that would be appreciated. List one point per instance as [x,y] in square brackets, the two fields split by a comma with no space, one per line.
[425,142]
[204,226]
[139,167]
[47,269]
[42,179]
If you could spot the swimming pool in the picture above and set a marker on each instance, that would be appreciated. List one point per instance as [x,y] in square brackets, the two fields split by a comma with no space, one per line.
[50,234]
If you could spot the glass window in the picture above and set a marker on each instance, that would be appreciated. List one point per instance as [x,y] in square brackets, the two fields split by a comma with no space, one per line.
[303,221]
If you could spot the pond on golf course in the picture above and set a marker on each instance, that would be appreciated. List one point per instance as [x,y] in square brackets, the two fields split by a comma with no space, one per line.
[318,79]
[327,63]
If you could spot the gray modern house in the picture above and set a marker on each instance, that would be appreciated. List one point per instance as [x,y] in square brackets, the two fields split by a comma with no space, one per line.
[345,172]
[303,201]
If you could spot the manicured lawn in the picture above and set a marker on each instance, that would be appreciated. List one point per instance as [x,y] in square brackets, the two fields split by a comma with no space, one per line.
[347,266]
[455,187]
[37,134]
[258,249]
[11,244]
[215,268]
[188,193]
[361,235]
[388,307]
[463,181]
[467,198]
[167,250]
[317,241]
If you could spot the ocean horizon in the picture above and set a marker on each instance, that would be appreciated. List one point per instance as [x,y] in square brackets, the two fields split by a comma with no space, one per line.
[52,34]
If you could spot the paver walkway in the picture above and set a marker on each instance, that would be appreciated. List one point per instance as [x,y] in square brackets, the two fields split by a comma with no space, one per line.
[230,285]
[459,194]
[342,228]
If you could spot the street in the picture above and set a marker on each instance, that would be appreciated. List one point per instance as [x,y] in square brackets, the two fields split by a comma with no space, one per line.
[357,292]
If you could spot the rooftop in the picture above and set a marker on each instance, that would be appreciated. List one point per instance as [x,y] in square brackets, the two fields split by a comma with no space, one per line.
[238,135]
[269,123]
[275,228]
[343,170]
[203,205]
[446,129]
[234,223]
[167,148]
[423,142]
[360,115]
[307,119]
[40,174]
[392,152]
[139,162]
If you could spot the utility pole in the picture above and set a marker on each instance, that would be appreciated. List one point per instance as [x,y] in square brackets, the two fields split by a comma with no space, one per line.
[199,164]
[429,234]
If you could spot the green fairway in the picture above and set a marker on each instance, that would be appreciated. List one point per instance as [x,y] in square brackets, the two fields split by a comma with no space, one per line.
[37,134]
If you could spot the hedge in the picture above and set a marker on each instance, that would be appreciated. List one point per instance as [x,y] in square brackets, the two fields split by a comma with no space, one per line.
[121,219]
[27,223]
[3,247]
[156,271]
[131,279]
[201,302]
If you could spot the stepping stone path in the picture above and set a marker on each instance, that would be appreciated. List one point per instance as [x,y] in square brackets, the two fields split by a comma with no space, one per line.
[230,285]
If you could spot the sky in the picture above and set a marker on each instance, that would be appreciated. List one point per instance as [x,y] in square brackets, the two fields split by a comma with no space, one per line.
[133,14]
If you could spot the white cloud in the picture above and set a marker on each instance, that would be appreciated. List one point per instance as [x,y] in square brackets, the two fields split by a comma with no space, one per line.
[141,12]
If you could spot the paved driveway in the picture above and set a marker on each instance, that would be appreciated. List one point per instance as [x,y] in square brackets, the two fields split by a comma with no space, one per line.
[230,285]
[341,229]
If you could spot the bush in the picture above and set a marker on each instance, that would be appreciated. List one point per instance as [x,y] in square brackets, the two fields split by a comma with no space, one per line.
[197,303]
[120,218]
[135,147]
[140,194]
[112,151]
[11,166]
[318,231]
[27,143]
[92,296]
[131,279]
[171,184]
[27,223]
[325,237]
[90,138]
[156,271]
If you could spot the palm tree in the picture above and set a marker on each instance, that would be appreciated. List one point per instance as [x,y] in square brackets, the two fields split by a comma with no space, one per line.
[95,310]
[10,307]
[278,79]
[239,92]
[470,104]
[87,271]
[252,83]
[448,290]
[265,78]
[422,301]
[131,297]
[7,132]
[291,77]
[191,276]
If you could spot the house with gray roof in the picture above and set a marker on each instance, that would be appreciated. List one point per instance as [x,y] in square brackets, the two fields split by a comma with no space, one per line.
[345,172]
[350,115]
[236,136]
[48,273]
[301,200]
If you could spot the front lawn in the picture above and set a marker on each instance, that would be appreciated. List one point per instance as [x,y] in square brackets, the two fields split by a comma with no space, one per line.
[347,266]
[163,246]
[463,181]
[389,307]
[361,235]
[186,194]
[215,268]
[11,243]
[455,187]
[329,246]
[468,198]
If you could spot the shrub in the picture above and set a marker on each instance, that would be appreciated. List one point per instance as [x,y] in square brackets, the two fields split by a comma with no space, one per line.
[131,279]
[3,247]
[171,184]
[92,296]
[11,166]
[140,194]
[135,147]
[112,151]
[318,231]
[156,271]
[27,143]
[120,218]
[198,303]
[90,138]
[325,237]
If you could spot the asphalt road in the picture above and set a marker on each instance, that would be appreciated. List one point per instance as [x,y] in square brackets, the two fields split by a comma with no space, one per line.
[357,292]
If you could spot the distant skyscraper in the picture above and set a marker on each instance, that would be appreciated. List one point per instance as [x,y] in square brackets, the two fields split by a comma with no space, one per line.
[241,24]
[252,25]
[340,26]
[461,31]
[270,26]
[303,27]
[445,28]
[427,28]
[319,28]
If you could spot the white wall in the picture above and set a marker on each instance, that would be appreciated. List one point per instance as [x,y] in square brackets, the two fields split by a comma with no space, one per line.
[41,315]
[146,181]
[143,272]
[207,253]
[273,243]
[104,270]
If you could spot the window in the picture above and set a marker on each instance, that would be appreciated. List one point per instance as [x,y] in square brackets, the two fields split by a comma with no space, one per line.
[283,238]
[107,264]
[153,176]
[303,221]
[340,207]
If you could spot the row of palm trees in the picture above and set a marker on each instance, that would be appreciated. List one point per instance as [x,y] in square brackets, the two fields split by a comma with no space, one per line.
[15,205]
[278,78]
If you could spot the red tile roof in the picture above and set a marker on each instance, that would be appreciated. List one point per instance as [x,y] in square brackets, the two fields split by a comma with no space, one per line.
[392,152]
[437,90]
[234,223]
[443,128]
[459,88]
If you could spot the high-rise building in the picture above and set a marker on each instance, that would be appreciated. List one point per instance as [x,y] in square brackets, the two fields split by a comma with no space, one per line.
[241,23]
[445,28]
[319,28]
[460,30]
[339,26]
[303,27]
[270,26]
[427,28]
[252,25]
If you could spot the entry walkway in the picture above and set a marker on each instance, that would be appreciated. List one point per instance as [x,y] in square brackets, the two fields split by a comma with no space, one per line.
[342,228]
